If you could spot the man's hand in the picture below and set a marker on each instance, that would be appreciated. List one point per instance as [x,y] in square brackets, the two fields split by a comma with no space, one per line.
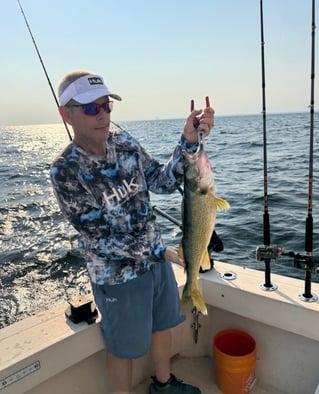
[205,120]
[171,254]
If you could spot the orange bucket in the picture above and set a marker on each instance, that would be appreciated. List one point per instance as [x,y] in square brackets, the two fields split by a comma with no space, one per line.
[235,359]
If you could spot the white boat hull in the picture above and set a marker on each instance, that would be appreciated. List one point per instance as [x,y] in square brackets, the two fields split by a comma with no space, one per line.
[48,354]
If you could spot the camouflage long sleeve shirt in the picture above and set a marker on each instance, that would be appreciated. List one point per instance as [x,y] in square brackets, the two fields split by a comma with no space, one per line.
[107,201]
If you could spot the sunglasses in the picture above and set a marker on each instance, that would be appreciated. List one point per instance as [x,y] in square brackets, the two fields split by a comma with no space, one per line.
[92,109]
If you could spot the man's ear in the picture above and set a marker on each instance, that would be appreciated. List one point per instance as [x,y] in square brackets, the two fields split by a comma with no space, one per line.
[65,114]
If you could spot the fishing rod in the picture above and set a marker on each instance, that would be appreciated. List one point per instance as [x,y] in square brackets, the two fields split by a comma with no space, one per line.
[308,261]
[167,216]
[266,210]
[46,74]
[265,253]
[42,64]
[309,220]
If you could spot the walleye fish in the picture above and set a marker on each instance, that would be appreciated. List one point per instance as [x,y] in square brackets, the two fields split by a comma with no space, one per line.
[199,209]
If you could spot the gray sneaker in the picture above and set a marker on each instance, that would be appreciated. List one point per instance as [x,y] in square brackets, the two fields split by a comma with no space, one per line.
[173,386]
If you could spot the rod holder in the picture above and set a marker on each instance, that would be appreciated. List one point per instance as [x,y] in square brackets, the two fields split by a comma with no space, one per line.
[266,254]
[307,296]
[310,264]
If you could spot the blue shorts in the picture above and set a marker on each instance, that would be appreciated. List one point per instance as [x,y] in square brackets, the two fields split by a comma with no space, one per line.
[132,311]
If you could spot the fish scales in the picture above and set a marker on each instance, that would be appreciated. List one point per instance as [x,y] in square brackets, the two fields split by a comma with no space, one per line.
[198,217]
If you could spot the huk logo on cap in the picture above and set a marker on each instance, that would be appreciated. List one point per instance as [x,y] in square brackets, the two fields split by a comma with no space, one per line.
[86,89]
[95,81]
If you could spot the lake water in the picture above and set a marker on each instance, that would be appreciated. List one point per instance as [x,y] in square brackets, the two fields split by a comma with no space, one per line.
[39,263]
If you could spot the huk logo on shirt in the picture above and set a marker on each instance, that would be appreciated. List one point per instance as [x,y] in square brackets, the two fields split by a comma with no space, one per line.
[95,81]
[120,195]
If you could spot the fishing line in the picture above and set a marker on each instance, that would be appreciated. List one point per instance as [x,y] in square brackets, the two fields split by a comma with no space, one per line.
[43,66]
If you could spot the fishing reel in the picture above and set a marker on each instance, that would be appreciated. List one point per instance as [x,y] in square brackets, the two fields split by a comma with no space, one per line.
[309,264]
[267,253]
[305,262]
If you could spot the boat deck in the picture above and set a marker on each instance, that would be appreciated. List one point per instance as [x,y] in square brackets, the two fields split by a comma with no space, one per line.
[198,371]
[47,353]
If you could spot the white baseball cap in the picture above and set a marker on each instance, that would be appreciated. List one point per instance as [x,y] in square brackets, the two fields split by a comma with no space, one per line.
[86,89]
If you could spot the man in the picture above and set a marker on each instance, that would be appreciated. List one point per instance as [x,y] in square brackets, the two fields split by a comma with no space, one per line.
[102,182]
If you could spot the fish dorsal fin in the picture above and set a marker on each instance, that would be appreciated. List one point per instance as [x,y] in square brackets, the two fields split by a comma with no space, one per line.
[221,204]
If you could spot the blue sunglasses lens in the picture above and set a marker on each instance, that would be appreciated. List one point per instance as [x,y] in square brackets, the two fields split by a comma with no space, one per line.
[93,109]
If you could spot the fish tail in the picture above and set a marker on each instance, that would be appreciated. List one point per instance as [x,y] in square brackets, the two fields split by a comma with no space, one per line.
[191,298]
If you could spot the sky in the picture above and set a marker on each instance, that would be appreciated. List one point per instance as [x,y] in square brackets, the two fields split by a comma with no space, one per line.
[157,54]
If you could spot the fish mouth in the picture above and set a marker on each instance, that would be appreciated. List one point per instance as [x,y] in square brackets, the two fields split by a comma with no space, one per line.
[192,157]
